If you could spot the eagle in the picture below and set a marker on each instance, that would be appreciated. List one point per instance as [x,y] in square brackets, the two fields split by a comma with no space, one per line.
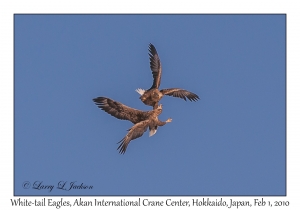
[152,96]
[141,119]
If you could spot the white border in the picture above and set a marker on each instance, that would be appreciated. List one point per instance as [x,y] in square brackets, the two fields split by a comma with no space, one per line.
[8,8]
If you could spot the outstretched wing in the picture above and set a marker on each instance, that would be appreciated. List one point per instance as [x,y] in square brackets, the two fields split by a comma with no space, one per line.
[180,93]
[155,66]
[135,131]
[120,110]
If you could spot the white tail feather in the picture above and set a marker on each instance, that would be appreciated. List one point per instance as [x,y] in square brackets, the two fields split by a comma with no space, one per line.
[152,132]
[140,91]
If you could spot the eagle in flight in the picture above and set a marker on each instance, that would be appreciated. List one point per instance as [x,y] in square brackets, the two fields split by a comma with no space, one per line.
[152,96]
[141,119]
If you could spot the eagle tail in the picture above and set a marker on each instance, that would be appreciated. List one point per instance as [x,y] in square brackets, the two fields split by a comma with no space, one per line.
[140,91]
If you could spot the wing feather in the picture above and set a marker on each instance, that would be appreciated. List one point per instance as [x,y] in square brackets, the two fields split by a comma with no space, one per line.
[135,131]
[180,93]
[155,66]
[120,110]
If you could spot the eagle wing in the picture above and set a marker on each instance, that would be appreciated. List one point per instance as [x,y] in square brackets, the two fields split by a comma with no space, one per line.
[120,110]
[155,66]
[180,93]
[135,131]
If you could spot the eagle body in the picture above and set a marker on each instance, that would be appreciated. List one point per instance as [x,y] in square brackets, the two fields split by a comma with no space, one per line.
[151,97]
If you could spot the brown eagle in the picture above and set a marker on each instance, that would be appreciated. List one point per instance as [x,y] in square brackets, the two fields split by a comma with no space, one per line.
[152,96]
[141,119]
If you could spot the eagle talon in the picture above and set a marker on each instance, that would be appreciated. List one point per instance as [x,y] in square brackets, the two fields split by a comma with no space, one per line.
[169,120]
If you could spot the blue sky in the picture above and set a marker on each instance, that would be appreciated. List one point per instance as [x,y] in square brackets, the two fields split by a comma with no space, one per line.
[231,142]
